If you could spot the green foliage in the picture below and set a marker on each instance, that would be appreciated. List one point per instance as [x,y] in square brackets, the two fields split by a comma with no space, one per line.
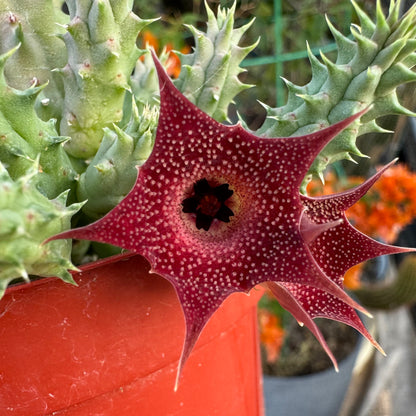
[101,44]
[209,76]
[24,137]
[27,218]
[393,294]
[367,71]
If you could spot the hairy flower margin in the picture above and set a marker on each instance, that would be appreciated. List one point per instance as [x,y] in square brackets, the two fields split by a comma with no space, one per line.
[299,246]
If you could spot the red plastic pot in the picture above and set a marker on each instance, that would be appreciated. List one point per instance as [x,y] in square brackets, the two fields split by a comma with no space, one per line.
[111,347]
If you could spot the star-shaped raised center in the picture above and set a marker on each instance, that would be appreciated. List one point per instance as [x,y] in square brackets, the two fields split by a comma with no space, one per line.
[216,209]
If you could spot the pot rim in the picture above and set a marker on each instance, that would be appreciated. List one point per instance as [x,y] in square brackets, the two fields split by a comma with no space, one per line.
[81,269]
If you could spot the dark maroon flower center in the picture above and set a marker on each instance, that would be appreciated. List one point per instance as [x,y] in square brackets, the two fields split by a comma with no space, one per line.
[208,203]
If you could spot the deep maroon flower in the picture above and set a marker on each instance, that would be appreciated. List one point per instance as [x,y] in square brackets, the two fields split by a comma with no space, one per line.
[216,210]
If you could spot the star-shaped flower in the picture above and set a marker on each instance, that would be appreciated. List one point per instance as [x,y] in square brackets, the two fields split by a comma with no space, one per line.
[216,209]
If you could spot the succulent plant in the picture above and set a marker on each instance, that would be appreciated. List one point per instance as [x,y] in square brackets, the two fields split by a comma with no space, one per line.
[35,26]
[113,170]
[144,85]
[367,71]
[209,76]
[393,293]
[24,137]
[27,218]
[101,44]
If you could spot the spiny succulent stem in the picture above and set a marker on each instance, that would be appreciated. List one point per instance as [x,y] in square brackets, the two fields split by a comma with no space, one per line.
[367,71]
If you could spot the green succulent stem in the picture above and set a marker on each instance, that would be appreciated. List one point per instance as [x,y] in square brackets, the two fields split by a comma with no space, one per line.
[401,291]
[209,75]
[113,171]
[367,72]
[24,137]
[35,25]
[27,218]
[101,44]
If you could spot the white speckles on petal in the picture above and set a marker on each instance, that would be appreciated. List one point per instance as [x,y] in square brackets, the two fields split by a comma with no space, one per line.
[262,240]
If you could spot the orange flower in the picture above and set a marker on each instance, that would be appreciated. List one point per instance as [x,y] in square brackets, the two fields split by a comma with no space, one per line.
[173,63]
[149,39]
[382,213]
[352,277]
[391,205]
[271,334]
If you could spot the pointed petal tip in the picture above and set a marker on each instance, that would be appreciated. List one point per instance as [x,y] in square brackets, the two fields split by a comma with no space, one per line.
[82,233]
[289,302]
[179,369]
[178,376]
[404,249]
[354,194]
[159,67]
[334,129]
[375,344]
[355,305]
[381,350]
[367,313]
[60,236]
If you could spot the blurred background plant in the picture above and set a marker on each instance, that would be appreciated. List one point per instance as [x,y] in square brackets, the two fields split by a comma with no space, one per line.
[282,49]
[385,210]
